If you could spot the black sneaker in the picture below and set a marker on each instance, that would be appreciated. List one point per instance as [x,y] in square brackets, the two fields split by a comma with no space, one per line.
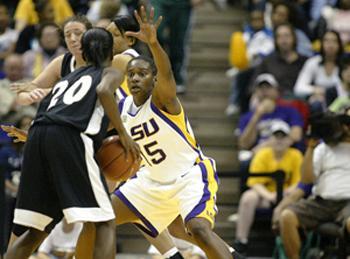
[240,247]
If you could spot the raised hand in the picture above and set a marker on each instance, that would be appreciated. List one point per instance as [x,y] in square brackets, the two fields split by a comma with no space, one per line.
[148,28]
[17,134]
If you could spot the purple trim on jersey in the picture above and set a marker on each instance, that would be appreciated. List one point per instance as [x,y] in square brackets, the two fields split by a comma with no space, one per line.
[174,126]
[215,174]
[124,94]
[149,229]
[206,195]
[121,105]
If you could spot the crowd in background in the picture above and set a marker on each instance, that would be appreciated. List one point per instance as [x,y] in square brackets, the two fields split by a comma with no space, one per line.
[290,63]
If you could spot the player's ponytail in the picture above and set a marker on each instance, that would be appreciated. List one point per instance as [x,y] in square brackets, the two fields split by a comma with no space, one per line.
[97,45]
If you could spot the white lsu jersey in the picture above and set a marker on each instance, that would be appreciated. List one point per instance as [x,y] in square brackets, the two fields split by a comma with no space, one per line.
[168,147]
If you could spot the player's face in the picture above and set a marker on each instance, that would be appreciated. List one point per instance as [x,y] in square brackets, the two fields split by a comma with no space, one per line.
[73,31]
[140,80]
[120,42]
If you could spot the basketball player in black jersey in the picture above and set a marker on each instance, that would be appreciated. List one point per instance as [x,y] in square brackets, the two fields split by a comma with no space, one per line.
[60,176]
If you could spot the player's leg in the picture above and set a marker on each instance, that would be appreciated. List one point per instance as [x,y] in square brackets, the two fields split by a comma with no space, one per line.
[178,230]
[105,240]
[37,201]
[198,208]
[164,244]
[211,244]
[82,191]
[86,241]
[17,231]
[87,238]
[26,244]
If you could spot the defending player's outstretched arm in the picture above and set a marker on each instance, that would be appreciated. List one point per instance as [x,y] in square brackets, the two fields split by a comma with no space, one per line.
[164,93]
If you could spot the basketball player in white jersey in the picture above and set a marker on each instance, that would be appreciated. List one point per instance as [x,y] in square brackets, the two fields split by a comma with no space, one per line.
[176,178]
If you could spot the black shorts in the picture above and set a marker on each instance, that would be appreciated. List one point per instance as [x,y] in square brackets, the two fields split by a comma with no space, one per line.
[60,177]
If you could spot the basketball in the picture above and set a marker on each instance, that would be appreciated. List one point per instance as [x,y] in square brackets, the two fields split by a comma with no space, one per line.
[111,158]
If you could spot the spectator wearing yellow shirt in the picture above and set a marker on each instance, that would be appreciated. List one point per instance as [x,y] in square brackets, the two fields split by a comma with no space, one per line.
[262,192]
[26,14]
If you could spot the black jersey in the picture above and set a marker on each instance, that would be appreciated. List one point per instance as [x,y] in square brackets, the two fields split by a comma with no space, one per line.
[73,102]
[68,64]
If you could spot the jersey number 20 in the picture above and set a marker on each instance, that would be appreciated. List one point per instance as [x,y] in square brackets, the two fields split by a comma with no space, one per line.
[74,94]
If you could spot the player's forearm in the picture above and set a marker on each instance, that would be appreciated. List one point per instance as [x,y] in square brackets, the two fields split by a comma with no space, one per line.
[160,58]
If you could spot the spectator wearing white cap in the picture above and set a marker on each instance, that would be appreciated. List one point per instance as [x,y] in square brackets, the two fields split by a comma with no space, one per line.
[262,190]
[255,125]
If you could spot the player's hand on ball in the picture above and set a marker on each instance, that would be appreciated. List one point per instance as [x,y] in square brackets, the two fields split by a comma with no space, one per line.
[17,134]
[130,146]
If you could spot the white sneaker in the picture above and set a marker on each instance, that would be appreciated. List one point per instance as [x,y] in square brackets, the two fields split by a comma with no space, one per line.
[233,217]
[231,109]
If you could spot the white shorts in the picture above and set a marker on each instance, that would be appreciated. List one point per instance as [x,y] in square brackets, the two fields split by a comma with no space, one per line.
[157,205]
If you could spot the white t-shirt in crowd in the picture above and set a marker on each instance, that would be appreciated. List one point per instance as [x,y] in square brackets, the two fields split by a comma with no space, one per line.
[331,166]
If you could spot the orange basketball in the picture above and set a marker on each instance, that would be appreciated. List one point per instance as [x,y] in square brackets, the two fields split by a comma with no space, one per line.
[111,158]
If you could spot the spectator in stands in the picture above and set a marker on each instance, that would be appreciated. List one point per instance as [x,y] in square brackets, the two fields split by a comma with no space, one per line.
[8,36]
[262,192]
[10,112]
[255,125]
[342,102]
[61,242]
[319,78]
[326,165]
[338,19]
[106,9]
[27,15]
[284,12]
[247,49]
[174,33]
[13,68]
[285,62]
[27,37]
[34,61]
